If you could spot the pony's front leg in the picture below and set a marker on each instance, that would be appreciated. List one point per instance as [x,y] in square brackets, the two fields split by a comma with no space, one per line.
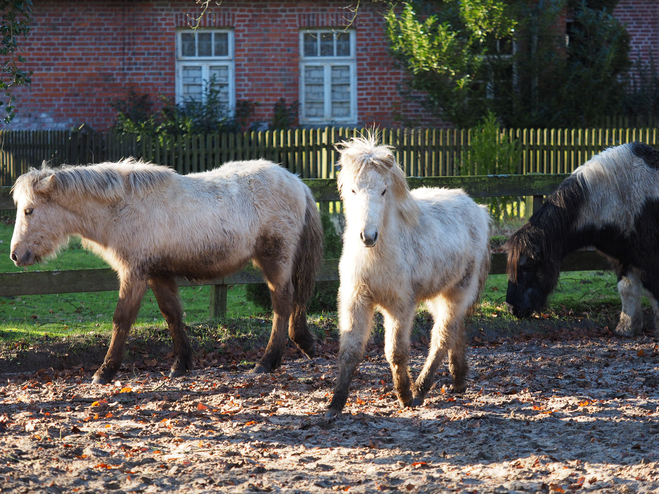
[131,292]
[282,304]
[166,293]
[631,315]
[398,327]
[355,320]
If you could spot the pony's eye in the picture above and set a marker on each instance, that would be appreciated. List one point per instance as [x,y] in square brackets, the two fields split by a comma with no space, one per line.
[384,192]
[28,211]
[353,191]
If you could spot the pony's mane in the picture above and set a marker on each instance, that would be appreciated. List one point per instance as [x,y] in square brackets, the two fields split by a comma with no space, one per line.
[365,152]
[548,231]
[104,181]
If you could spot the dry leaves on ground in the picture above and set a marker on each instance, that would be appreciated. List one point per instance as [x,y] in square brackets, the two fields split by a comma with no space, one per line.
[539,416]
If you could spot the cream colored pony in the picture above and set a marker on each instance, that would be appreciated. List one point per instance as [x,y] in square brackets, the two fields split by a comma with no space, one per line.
[401,248]
[151,224]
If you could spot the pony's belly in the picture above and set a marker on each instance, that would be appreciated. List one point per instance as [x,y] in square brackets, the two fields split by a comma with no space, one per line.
[196,269]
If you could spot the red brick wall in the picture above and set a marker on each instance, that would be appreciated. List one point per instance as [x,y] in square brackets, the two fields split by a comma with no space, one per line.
[86,54]
[642,20]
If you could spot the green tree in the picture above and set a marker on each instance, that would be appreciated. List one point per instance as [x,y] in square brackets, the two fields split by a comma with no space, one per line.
[444,45]
[543,82]
[493,152]
[15,25]
[577,83]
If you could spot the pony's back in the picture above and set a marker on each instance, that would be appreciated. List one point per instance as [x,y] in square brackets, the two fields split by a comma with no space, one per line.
[617,184]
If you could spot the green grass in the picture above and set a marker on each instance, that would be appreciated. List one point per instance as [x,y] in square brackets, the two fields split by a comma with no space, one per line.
[83,313]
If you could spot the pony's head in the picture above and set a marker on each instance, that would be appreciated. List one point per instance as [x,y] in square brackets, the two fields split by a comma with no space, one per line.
[532,271]
[370,182]
[53,203]
[36,232]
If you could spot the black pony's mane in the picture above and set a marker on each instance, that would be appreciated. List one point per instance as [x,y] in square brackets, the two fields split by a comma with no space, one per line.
[547,234]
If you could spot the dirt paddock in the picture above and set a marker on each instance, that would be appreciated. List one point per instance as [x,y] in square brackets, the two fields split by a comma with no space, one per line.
[557,413]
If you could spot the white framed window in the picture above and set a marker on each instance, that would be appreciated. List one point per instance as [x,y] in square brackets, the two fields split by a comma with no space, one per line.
[328,87]
[501,67]
[205,60]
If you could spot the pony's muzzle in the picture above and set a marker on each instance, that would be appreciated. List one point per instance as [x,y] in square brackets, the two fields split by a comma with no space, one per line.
[27,259]
[369,239]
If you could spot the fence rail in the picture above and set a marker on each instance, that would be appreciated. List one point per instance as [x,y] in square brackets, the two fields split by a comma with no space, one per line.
[92,280]
[310,153]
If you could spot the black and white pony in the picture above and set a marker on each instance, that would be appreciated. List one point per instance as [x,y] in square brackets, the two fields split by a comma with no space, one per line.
[611,202]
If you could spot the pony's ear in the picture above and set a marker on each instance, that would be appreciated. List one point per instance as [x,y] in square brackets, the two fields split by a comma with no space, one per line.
[389,161]
[45,186]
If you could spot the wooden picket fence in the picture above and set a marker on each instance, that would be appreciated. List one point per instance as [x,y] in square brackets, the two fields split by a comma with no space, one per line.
[310,153]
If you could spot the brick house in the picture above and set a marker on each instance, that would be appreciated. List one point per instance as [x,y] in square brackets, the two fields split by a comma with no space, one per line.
[86,54]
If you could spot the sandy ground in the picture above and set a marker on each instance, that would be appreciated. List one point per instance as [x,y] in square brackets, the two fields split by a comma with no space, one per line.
[541,414]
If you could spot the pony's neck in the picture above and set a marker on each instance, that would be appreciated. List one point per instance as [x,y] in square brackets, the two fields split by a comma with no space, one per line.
[88,219]
[557,219]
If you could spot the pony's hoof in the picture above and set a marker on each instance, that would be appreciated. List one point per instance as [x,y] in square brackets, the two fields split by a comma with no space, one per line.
[458,389]
[413,402]
[628,326]
[259,369]
[99,380]
[309,352]
[332,414]
[176,373]
[417,401]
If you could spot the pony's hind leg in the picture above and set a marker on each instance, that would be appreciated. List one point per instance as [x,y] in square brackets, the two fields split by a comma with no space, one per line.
[631,315]
[447,337]
[457,357]
[651,286]
[655,312]
[281,293]
[131,293]
[355,319]
[398,327]
[166,293]
[298,331]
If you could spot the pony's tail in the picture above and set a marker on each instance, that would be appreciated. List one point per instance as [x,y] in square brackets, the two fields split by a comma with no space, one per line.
[308,260]
[484,270]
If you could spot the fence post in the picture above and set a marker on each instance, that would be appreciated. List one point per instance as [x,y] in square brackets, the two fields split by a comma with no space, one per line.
[218,302]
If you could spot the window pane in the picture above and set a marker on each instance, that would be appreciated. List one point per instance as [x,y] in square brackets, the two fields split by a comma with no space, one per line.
[221,45]
[314,92]
[219,75]
[310,45]
[192,83]
[326,44]
[506,46]
[187,45]
[343,45]
[204,47]
[340,92]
